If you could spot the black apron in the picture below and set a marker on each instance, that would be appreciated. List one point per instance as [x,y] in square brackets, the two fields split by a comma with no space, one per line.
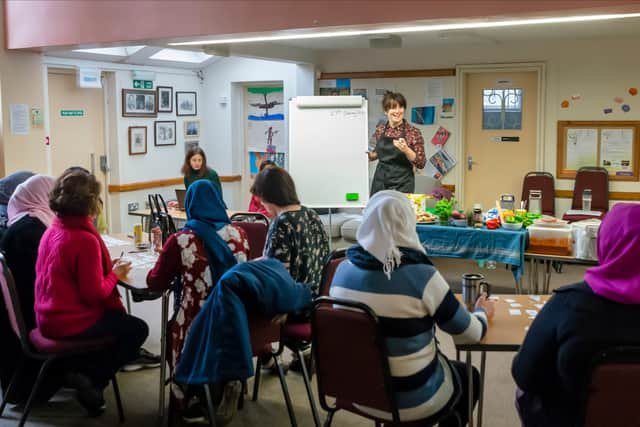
[394,170]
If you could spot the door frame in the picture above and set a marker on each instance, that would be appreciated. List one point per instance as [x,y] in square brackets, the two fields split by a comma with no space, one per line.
[461,73]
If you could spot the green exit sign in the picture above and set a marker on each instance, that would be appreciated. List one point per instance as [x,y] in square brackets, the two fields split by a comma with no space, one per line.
[143,84]
[71,113]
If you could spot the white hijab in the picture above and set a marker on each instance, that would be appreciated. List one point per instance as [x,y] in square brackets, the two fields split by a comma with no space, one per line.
[389,222]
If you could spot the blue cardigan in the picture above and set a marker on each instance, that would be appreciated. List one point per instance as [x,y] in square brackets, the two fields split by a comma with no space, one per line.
[218,346]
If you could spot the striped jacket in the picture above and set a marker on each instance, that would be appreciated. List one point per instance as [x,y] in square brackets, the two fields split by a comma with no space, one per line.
[409,306]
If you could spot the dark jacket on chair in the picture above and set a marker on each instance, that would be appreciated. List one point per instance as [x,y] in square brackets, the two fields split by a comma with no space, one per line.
[218,347]
[552,367]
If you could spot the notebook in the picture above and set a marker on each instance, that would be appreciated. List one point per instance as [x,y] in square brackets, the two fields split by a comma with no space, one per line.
[180,193]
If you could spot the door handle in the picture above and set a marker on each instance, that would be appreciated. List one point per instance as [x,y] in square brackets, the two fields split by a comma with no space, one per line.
[470,163]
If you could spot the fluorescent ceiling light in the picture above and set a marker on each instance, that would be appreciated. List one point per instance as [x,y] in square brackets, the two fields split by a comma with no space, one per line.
[181,56]
[113,51]
[415,29]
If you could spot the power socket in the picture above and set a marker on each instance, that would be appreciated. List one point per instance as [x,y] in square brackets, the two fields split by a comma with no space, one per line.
[134,206]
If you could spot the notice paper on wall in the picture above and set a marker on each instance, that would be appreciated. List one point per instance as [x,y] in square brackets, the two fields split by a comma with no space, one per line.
[439,164]
[19,119]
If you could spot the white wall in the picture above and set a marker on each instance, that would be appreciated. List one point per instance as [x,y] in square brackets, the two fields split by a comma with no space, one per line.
[599,70]
[222,130]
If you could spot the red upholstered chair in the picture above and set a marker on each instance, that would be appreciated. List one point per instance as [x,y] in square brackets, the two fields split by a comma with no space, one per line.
[358,376]
[36,346]
[597,179]
[257,235]
[612,395]
[542,181]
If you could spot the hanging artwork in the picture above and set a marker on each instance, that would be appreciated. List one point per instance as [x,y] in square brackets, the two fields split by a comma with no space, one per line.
[265,103]
[423,115]
[266,136]
[256,158]
[440,137]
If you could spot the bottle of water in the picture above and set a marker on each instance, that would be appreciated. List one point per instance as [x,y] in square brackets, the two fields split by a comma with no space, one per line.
[491,265]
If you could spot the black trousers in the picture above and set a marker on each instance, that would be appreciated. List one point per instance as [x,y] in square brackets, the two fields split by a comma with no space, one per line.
[461,407]
[129,332]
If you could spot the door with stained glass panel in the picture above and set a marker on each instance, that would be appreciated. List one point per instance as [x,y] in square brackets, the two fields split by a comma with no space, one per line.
[500,134]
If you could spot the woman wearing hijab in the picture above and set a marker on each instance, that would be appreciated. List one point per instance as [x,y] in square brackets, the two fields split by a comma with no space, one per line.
[198,255]
[579,321]
[8,186]
[389,271]
[29,217]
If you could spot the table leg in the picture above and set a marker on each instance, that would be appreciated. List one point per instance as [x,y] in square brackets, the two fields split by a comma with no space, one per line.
[127,299]
[163,353]
[483,361]
[470,385]
[547,277]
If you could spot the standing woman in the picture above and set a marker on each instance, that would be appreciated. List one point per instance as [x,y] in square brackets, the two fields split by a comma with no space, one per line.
[29,217]
[397,146]
[195,168]
[75,290]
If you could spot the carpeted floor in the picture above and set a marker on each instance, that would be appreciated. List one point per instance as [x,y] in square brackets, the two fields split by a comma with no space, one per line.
[139,390]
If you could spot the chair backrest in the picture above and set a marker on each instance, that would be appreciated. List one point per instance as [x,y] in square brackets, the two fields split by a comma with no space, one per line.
[329,270]
[597,179]
[542,181]
[257,235]
[612,395]
[250,217]
[12,304]
[360,375]
[262,332]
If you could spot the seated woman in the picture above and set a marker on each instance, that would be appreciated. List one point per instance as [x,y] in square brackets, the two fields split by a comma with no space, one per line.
[255,204]
[195,168]
[551,368]
[198,255]
[389,271]
[8,185]
[75,291]
[296,235]
[29,216]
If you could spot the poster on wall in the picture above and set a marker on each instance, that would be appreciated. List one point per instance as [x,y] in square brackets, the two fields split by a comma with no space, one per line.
[616,151]
[266,136]
[256,158]
[265,103]
[439,164]
[338,87]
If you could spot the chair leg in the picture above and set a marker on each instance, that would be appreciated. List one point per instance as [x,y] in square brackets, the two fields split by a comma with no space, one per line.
[242,393]
[329,420]
[116,392]
[285,392]
[34,391]
[210,409]
[12,384]
[256,380]
[307,384]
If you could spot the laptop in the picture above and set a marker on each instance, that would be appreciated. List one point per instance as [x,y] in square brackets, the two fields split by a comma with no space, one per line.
[180,194]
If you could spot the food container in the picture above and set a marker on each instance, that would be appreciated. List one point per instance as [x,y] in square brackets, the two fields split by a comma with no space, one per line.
[459,222]
[550,240]
[512,225]
[585,237]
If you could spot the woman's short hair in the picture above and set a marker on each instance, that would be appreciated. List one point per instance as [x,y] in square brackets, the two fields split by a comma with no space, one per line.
[186,166]
[266,163]
[275,185]
[76,193]
[393,98]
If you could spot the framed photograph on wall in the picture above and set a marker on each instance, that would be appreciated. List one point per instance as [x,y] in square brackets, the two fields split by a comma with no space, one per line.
[165,99]
[191,128]
[137,140]
[189,145]
[165,133]
[186,104]
[138,103]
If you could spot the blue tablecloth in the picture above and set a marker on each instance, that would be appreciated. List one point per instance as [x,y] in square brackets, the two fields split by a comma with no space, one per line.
[499,245]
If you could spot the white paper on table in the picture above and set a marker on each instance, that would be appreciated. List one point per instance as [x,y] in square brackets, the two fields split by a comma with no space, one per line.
[509,300]
[514,312]
[538,306]
[532,312]
[535,297]
[515,305]
[112,241]
[494,298]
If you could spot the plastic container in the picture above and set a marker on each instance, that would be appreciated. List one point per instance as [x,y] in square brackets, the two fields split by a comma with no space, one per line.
[550,240]
[585,236]
[512,225]
[459,222]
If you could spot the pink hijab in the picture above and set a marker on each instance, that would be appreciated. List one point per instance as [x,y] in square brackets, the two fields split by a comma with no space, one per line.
[618,276]
[32,198]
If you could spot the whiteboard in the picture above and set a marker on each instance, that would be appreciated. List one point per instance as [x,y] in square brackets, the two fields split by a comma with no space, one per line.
[328,141]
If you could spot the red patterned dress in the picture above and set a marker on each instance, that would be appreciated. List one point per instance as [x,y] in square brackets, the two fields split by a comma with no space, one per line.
[184,255]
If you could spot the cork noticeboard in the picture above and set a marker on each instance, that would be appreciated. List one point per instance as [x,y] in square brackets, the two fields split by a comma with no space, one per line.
[613,145]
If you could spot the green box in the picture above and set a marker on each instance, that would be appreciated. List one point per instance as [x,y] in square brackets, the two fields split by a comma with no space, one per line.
[352,197]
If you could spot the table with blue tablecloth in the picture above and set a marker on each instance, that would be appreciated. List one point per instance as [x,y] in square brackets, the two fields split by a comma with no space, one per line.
[500,245]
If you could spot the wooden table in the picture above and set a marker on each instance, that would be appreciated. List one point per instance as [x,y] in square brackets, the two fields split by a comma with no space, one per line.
[546,260]
[506,332]
[176,214]
[136,285]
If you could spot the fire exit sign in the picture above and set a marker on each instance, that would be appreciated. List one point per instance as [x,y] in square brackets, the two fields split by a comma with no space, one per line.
[143,84]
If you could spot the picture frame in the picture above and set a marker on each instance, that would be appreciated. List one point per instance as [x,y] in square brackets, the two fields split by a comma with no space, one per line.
[139,103]
[137,140]
[165,99]
[165,133]
[186,104]
[191,144]
[192,128]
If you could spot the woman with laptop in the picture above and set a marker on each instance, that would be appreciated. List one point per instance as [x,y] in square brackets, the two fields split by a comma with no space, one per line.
[195,168]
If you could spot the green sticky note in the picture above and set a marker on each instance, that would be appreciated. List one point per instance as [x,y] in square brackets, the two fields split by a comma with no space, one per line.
[352,197]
